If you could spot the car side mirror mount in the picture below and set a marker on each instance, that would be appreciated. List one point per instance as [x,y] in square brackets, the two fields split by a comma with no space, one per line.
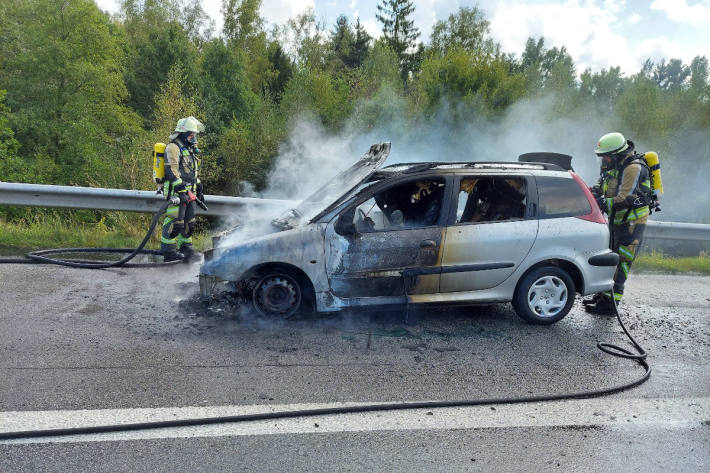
[344,225]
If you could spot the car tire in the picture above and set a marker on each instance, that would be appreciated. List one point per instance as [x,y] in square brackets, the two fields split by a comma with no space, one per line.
[277,295]
[544,295]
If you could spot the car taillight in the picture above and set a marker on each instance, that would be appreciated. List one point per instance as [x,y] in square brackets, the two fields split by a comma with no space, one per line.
[596,215]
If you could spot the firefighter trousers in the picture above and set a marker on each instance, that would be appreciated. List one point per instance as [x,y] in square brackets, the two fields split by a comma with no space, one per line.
[627,239]
[178,226]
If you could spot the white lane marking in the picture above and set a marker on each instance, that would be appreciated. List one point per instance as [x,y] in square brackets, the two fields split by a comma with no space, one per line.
[590,412]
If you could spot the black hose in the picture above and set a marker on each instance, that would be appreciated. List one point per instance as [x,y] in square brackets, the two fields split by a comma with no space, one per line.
[40,257]
[614,350]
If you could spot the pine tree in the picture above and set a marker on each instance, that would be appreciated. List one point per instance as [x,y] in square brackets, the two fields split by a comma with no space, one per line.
[361,46]
[398,30]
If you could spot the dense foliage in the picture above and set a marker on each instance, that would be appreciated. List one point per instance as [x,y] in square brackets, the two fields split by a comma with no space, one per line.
[84,94]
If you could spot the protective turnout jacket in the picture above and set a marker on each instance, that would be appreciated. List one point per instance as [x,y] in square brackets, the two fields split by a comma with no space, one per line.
[626,189]
[181,166]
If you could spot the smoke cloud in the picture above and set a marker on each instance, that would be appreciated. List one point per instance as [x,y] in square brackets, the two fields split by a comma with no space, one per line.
[312,155]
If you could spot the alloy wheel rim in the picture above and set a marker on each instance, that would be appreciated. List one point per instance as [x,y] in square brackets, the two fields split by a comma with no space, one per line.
[547,296]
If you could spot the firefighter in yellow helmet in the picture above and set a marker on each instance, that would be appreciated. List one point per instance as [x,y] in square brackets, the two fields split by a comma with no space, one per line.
[181,183]
[624,192]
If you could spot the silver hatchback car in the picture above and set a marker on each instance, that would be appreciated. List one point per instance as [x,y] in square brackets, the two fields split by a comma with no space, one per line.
[422,233]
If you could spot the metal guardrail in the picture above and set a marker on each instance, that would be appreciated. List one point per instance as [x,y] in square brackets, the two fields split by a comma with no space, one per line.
[39,195]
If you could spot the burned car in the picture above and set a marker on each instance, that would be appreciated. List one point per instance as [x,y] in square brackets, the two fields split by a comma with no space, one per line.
[422,233]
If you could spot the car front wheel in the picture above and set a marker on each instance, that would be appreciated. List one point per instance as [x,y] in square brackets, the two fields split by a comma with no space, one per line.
[277,295]
[544,296]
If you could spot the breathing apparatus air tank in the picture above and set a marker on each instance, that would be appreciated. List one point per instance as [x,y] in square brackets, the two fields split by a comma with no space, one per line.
[159,163]
[655,166]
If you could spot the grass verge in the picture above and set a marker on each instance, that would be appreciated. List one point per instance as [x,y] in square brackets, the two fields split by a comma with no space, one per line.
[17,238]
[667,264]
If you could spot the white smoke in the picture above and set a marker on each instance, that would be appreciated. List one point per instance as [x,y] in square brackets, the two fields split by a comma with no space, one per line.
[312,155]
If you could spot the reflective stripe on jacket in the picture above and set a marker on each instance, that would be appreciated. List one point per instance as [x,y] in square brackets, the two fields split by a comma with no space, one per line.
[625,194]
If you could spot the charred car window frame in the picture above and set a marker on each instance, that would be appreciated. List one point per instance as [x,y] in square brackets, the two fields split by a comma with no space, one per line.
[530,197]
[371,192]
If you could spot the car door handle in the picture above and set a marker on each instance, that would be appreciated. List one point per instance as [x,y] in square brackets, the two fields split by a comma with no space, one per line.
[427,244]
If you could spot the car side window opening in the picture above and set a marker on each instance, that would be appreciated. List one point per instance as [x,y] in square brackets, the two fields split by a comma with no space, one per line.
[491,199]
[410,205]
[561,198]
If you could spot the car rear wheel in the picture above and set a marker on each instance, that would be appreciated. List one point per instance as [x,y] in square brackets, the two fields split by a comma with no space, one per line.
[277,295]
[545,295]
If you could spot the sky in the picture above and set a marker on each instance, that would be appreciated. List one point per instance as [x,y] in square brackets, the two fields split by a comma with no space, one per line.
[597,33]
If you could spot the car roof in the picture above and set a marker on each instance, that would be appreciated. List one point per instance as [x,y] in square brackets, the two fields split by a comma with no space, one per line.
[412,168]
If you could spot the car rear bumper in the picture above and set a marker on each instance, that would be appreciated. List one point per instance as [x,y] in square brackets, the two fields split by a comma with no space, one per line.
[608,258]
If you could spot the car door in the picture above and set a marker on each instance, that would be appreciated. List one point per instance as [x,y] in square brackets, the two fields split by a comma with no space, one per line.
[490,233]
[391,251]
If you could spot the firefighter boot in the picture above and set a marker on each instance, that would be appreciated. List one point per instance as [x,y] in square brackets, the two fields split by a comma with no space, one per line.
[170,253]
[592,300]
[604,306]
[187,250]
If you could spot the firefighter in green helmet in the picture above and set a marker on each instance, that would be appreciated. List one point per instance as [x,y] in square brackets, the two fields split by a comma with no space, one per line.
[181,183]
[624,192]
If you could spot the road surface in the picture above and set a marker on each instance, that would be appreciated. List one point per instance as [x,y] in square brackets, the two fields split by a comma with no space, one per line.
[85,347]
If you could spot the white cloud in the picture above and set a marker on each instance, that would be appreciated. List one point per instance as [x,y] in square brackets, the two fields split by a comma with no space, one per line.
[634,18]
[279,11]
[679,11]
[663,48]
[425,17]
[587,29]
[372,27]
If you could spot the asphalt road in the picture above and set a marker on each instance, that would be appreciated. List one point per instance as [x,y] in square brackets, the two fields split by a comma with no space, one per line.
[84,347]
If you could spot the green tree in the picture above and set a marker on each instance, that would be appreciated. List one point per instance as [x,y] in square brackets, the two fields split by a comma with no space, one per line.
[342,43]
[282,68]
[538,63]
[304,34]
[10,165]
[241,20]
[361,46]
[465,29]
[671,76]
[156,41]
[380,68]
[482,85]
[245,150]
[699,74]
[318,92]
[62,70]
[224,87]
[399,31]
[641,109]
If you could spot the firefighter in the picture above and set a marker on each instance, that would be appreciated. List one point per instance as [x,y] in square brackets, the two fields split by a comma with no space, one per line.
[181,183]
[624,192]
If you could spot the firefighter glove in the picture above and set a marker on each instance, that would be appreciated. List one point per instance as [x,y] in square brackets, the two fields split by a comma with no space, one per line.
[200,192]
[601,202]
[175,200]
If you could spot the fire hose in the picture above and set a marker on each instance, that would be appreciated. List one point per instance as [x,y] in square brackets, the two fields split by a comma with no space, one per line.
[614,350]
[42,256]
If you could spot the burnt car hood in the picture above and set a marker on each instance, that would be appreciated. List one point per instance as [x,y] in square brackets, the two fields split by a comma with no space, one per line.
[326,197]
[344,183]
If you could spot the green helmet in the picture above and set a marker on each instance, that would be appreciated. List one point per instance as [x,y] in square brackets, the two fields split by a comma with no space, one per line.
[189,124]
[611,143]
